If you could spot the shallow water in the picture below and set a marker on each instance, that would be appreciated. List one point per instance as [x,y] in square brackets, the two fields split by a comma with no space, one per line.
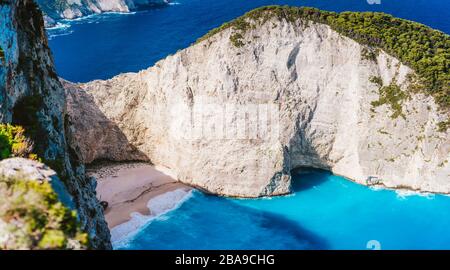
[102,46]
[325,212]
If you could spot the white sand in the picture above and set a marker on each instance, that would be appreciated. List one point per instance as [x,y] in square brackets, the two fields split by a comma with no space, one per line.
[130,188]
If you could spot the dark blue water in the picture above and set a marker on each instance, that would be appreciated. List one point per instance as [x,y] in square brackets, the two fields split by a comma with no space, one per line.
[325,212]
[103,46]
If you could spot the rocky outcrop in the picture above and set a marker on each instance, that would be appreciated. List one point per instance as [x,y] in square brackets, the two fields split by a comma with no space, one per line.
[32,96]
[29,193]
[72,9]
[235,113]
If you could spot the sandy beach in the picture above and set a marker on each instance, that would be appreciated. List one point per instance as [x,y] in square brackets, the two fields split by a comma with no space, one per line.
[130,188]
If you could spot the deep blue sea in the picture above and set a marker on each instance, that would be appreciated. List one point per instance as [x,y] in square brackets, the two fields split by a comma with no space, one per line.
[325,211]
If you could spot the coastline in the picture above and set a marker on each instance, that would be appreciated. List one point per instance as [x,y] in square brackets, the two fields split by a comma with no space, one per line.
[139,193]
[52,21]
[135,193]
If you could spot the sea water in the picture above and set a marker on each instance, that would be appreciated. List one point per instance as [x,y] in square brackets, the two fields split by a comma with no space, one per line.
[324,212]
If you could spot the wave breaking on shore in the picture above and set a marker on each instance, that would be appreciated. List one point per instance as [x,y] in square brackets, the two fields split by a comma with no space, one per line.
[158,206]
[62,27]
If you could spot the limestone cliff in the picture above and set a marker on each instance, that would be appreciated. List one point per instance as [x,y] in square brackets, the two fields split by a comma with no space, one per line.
[72,9]
[32,96]
[235,113]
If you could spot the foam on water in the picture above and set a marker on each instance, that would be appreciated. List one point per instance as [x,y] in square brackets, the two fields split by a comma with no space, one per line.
[59,26]
[158,206]
[64,27]
[403,194]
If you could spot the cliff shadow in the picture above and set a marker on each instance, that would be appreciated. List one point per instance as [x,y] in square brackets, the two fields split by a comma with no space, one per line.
[301,238]
[304,178]
[92,134]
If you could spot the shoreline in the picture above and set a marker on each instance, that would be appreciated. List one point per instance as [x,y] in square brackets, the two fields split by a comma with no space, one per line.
[138,192]
[135,193]
[52,23]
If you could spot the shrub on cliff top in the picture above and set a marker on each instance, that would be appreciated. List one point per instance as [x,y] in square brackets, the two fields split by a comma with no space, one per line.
[32,217]
[425,50]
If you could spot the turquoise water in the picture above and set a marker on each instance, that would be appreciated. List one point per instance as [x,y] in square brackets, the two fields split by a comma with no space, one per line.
[325,212]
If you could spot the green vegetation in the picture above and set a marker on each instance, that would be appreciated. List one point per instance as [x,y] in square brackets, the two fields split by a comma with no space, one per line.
[443,126]
[393,96]
[13,142]
[425,50]
[369,54]
[236,40]
[376,80]
[36,219]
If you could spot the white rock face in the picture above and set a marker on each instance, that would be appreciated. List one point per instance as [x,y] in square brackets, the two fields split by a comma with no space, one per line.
[313,87]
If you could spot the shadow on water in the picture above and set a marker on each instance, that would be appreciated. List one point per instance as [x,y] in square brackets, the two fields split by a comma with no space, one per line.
[305,178]
[302,238]
[210,222]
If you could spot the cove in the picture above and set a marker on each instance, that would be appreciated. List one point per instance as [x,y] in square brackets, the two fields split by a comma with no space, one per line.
[324,212]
